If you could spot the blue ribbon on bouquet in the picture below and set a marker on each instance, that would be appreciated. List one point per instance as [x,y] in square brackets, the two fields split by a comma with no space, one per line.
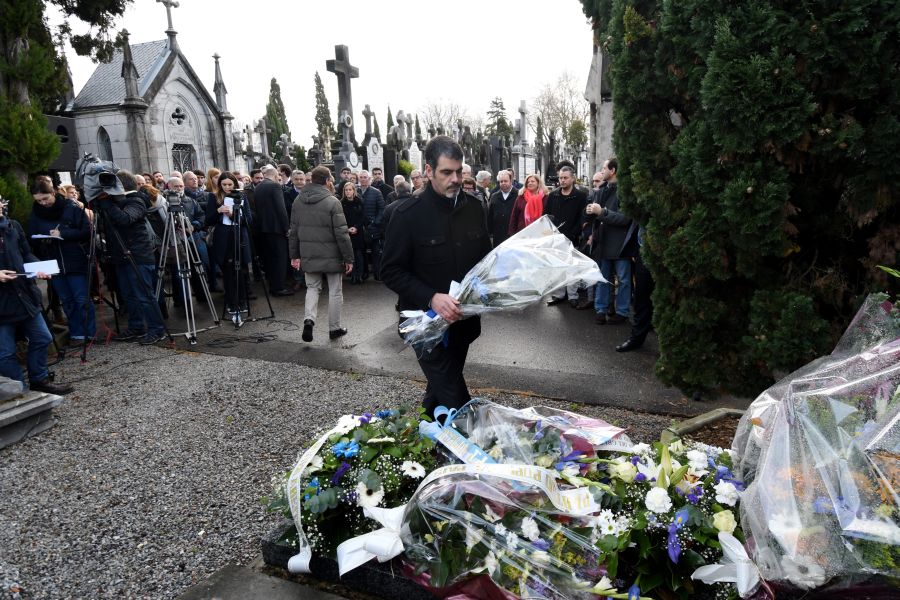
[453,440]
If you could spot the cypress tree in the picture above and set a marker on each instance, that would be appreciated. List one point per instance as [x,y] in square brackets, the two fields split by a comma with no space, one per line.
[418,129]
[324,124]
[375,130]
[757,143]
[275,116]
[390,121]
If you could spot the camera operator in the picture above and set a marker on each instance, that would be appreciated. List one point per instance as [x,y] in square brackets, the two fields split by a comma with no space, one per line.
[69,227]
[177,194]
[20,310]
[131,252]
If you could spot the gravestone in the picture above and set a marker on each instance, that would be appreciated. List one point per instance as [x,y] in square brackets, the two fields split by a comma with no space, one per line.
[344,71]
[415,155]
[391,162]
[373,155]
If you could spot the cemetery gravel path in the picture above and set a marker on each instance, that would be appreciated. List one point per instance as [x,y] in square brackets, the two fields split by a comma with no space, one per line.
[152,478]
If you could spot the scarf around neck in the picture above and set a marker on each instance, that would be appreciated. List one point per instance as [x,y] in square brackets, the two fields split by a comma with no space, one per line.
[534,206]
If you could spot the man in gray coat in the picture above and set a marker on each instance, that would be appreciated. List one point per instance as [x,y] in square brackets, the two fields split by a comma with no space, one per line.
[319,241]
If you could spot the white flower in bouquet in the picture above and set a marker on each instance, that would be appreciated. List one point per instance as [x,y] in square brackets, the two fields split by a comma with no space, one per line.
[623,470]
[474,537]
[314,465]
[608,523]
[500,530]
[641,448]
[786,529]
[496,452]
[544,460]
[698,460]
[412,469]
[381,440]
[724,521]
[677,447]
[803,571]
[570,470]
[367,497]
[726,493]
[658,501]
[512,540]
[530,529]
[491,563]
[541,556]
[603,585]
[346,424]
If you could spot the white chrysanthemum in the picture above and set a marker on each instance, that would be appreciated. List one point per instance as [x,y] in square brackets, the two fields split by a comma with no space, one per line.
[512,540]
[314,465]
[381,440]
[803,571]
[500,530]
[366,497]
[473,538]
[697,459]
[346,424]
[530,529]
[607,523]
[658,501]
[726,493]
[411,468]
[641,448]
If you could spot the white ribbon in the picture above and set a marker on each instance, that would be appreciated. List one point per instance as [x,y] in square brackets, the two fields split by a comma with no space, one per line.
[737,567]
[383,544]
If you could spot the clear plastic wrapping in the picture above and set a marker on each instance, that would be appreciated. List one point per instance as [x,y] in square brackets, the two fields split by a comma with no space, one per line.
[820,454]
[517,273]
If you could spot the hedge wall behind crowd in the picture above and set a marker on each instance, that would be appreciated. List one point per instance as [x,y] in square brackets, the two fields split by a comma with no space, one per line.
[759,144]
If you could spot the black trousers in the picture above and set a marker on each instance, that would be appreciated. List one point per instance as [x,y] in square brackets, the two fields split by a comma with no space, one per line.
[274,255]
[443,367]
[643,305]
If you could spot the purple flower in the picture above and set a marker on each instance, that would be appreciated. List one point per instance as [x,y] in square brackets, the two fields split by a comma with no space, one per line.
[640,478]
[695,494]
[538,431]
[568,458]
[634,592]
[384,414]
[541,544]
[365,418]
[635,459]
[681,517]
[673,546]
[340,473]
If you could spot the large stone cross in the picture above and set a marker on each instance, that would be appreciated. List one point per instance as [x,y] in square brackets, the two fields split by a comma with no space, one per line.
[368,114]
[341,67]
[169,4]
[523,124]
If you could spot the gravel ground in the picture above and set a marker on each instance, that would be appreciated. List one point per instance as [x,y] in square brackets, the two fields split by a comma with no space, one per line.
[152,478]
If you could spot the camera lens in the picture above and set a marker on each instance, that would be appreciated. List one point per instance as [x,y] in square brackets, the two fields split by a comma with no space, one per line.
[106,179]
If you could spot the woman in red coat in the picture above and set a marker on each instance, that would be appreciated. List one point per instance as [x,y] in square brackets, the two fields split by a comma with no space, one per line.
[529,205]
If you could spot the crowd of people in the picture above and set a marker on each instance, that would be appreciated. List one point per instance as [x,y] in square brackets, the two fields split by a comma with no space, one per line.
[294,230]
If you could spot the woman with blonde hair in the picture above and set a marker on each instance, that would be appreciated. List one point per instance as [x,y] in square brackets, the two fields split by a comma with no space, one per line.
[529,205]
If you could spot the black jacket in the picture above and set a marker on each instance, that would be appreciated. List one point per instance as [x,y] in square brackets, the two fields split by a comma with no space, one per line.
[373,207]
[390,208]
[125,216]
[74,228]
[429,243]
[290,194]
[269,211]
[615,235]
[353,212]
[383,187]
[224,235]
[20,298]
[499,212]
[567,212]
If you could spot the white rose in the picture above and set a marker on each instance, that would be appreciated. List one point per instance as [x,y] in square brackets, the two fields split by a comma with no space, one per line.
[544,460]
[623,470]
[726,493]
[658,501]
[724,521]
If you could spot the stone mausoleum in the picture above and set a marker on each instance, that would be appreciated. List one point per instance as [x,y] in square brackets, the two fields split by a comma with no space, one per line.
[147,110]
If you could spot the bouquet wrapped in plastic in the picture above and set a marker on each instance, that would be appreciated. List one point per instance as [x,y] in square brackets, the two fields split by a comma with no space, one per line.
[820,454]
[514,275]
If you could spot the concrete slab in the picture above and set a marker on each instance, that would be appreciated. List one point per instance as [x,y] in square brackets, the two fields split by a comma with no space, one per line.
[234,582]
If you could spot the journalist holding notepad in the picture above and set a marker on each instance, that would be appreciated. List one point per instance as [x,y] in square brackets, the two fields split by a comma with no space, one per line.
[20,311]
[68,233]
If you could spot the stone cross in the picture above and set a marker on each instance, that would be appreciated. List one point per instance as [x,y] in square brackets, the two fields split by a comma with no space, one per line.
[523,111]
[368,114]
[341,67]
[169,4]
[403,118]
[284,146]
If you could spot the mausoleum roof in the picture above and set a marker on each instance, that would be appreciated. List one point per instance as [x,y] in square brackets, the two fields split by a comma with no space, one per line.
[107,87]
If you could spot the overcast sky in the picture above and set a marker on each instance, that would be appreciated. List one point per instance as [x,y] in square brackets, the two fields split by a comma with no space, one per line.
[408,53]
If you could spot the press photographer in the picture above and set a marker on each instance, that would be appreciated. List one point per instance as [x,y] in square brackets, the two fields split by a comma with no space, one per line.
[176,196]
[20,310]
[129,247]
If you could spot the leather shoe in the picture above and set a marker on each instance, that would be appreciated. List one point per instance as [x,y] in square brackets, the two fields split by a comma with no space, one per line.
[284,292]
[629,345]
[600,319]
[336,333]
[307,330]
[51,388]
[585,303]
[554,301]
[616,319]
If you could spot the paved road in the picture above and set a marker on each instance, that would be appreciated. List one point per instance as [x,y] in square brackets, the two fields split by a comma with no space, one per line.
[554,352]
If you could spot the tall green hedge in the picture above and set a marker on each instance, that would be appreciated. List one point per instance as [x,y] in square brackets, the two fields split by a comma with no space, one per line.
[759,144]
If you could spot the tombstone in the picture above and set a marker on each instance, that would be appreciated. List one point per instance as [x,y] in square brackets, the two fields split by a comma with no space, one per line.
[368,115]
[414,155]
[391,163]
[344,71]
[372,155]
[284,146]
[346,155]
[255,141]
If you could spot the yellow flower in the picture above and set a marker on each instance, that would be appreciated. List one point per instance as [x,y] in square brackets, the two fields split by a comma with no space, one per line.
[623,470]
[724,521]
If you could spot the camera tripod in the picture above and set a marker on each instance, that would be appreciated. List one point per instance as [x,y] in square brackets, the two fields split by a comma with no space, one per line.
[240,282]
[177,238]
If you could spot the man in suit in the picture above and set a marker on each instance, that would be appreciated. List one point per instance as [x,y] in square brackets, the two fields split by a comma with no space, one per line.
[500,208]
[373,209]
[272,219]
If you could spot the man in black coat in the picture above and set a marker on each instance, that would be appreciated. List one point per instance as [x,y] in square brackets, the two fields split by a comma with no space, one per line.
[373,208]
[379,183]
[20,309]
[565,206]
[613,244]
[272,221]
[434,238]
[500,208]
